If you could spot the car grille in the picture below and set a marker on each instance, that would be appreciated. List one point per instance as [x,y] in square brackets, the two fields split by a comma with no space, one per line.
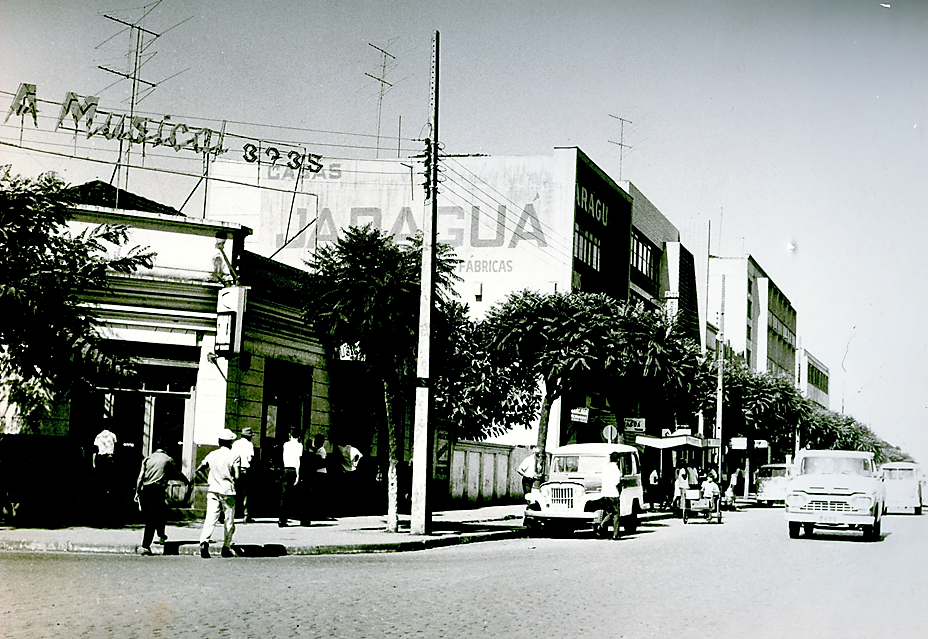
[828,506]
[562,496]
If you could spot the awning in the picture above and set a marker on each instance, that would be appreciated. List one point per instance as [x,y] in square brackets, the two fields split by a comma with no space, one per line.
[677,441]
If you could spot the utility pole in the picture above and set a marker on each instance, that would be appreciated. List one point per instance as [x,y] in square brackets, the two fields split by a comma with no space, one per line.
[420,516]
[718,390]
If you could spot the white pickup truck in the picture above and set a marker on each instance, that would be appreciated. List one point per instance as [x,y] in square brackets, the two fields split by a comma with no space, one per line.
[835,489]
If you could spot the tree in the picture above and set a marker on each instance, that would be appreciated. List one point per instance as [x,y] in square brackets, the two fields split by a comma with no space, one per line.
[48,340]
[560,339]
[363,292]
[476,394]
[663,366]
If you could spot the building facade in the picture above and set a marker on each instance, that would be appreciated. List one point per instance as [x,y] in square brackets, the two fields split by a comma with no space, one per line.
[554,223]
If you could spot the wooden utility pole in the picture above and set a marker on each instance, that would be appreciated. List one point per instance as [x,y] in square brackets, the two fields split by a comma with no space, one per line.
[420,515]
[719,395]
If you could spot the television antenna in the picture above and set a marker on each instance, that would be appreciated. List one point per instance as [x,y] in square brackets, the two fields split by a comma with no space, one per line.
[621,143]
[141,39]
[383,87]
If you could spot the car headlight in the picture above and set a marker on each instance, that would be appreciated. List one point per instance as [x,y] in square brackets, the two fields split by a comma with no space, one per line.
[862,502]
[797,500]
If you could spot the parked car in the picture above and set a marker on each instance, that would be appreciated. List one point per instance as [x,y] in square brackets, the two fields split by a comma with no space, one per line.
[903,487]
[772,480]
[835,489]
[571,495]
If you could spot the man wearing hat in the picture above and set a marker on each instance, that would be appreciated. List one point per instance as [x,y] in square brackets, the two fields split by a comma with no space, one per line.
[245,451]
[223,467]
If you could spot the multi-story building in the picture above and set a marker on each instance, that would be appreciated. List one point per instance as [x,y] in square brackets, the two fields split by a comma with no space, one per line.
[760,321]
[813,378]
[547,223]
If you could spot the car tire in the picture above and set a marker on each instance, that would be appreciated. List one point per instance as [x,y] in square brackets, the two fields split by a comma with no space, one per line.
[532,527]
[630,523]
[807,529]
[874,532]
[918,510]
[794,528]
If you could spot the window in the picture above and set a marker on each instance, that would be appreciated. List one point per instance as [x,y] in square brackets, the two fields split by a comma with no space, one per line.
[749,333]
[643,257]
[750,309]
[586,247]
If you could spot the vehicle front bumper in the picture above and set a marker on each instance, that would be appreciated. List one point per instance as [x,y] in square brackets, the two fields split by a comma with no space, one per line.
[830,518]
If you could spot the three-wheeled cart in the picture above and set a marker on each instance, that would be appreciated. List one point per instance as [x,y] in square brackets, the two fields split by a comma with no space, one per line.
[696,504]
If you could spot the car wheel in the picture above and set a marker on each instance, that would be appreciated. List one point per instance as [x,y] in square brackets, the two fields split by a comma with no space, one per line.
[807,529]
[630,524]
[873,533]
[918,510]
[794,527]
[532,526]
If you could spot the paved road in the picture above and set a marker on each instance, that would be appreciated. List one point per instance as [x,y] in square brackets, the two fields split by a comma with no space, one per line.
[744,578]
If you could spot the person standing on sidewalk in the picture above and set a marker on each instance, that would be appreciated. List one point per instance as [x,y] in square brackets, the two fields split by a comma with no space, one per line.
[150,487]
[612,493]
[527,470]
[314,481]
[289,478]
[223,467]
[246,452]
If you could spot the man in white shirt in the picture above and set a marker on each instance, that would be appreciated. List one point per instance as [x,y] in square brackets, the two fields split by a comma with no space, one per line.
[290,477]
[245,451]
[612,492]
[527,470]
[223,467]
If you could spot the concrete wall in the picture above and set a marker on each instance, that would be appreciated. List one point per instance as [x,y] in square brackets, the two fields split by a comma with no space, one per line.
[484,472]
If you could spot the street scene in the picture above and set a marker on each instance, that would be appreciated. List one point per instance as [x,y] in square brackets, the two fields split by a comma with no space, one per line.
[466,318]
[666,580]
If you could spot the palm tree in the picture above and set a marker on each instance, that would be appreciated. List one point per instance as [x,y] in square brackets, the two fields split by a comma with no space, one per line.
[363,292]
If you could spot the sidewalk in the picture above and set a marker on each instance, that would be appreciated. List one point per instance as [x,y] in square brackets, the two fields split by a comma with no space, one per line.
[346,535]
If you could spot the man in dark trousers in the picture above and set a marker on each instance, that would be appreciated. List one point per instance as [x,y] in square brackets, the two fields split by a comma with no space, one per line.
[150,487]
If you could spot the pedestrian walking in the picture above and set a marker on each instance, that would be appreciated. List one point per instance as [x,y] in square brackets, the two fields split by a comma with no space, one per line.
[223,467]
[289,478]
[246,452]
[150,488]
[527,470]
[680,487]
[612,493]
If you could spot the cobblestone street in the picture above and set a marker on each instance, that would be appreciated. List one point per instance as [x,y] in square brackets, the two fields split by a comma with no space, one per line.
[743,578]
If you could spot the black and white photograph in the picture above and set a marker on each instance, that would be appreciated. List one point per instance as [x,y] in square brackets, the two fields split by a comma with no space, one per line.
[463,319]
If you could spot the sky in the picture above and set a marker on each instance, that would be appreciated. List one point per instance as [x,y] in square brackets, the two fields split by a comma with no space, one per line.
[796,129]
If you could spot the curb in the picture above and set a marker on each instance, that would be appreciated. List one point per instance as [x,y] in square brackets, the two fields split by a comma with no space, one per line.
[263,550]
[281,550]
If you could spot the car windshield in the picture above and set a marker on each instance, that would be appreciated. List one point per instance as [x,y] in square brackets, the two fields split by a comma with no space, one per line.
[900,473]
[766,472]
[835,466]
[585,464]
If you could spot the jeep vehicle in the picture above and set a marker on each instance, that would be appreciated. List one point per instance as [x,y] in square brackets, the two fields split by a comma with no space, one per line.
[571,496]
[835,489]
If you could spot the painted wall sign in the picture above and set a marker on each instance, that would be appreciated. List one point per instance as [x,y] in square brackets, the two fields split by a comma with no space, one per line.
[511,227]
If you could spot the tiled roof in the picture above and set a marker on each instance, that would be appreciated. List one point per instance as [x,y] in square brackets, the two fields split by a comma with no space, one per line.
[98,193]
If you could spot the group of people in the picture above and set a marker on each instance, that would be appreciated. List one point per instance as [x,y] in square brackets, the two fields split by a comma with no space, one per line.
[229,485]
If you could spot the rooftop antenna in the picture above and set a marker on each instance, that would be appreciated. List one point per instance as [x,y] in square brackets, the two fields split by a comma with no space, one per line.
[621,143]
[139,45]
[383,88]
